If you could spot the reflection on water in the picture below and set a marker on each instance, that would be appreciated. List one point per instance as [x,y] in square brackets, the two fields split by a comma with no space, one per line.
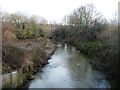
[68,69]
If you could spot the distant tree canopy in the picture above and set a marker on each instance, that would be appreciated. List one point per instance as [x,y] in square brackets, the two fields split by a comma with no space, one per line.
[84,22]
[24,27]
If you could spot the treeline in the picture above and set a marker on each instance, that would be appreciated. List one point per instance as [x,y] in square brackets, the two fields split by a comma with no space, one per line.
[24,27]
[92,34]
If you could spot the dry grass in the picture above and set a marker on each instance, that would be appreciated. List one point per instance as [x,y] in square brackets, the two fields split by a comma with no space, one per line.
[25,54]
[7,32]
[9,36]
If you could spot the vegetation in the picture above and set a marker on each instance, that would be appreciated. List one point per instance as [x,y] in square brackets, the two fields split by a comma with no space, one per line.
[23,26]
[87,30]
[25,45]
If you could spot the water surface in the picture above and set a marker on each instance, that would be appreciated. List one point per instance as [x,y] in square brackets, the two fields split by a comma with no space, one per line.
[68,68]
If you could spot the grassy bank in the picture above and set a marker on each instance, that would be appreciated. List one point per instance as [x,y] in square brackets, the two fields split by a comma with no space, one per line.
[29,54]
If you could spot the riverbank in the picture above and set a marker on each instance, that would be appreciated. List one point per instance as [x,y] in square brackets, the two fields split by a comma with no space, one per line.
[102,59]
[25,56]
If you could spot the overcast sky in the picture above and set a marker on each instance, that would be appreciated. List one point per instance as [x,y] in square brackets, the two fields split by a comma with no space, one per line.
[54,10]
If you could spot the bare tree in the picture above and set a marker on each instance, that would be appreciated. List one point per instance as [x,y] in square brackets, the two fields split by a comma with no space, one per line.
[85,16]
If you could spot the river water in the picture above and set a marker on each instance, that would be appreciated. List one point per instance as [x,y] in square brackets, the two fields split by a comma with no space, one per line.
[68,68]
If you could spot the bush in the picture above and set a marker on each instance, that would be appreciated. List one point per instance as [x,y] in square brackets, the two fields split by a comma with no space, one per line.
[90,48]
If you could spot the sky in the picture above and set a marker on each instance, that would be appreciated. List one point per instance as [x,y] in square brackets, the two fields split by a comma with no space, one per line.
[55,10]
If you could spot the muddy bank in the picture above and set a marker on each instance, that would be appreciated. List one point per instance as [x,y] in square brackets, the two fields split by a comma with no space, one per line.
[26,56]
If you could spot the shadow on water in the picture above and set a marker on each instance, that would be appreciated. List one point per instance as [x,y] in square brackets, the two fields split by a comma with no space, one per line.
[68,68]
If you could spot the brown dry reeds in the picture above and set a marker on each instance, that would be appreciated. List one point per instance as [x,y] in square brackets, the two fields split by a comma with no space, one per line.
[8,34]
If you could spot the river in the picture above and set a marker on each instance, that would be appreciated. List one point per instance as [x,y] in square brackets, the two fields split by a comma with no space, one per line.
[68,68]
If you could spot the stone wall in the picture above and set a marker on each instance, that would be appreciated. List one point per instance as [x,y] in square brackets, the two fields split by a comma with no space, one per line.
[13,79]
